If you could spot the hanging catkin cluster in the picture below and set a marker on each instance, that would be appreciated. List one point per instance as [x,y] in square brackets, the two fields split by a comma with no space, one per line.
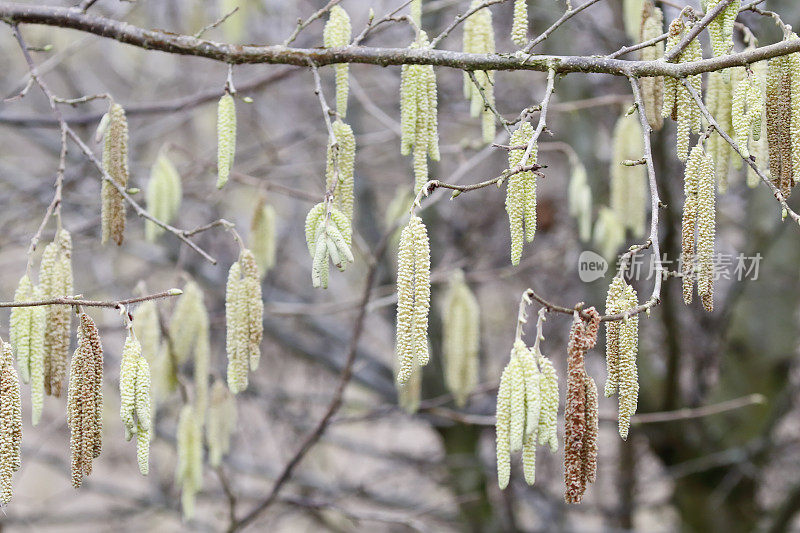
[580,200]
[135,406]
[85,402]
[262,237]
[783,120]
[413,298]
[719,93]
[164,193]
[337,35]
[221,422]
[148,331]
[10,423]
[720,30]
[581,411]
[622,345]
[747,105]
[189,469]
[527,408]
[26,334]
[678,102]
[226,138]
[188,331]
[479,39]
[115,165]
[328,236]
[55,281]
[698,216]
[521,192]
[461,320]
[519,26]
[419,133]
[629,182]
[652,88]
[340,168]
[244,311]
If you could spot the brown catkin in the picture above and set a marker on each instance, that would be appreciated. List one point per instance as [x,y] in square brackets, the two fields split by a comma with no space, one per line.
[10,422]
[115,165]
[55,281]
[85,402]
[780,112]
[652,88]
[582,338]
[589,446]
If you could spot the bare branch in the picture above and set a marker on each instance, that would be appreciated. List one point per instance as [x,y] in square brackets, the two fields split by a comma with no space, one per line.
[115,304]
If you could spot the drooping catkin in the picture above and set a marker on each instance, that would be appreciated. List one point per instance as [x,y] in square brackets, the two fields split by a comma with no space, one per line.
[629,183]
[419,134]
[10,422]
[652,88]
[263,239]
[337,34]
[164,194]
[719,94]
[189,319]
[135,402]
[85,401]
[221,422]
[580,200]
[244,312]
[189,468]
[413,298]
[632,17]
[609,232]
[589,446]
[36,356]
[148,329]
[578,436]
[759,148]
[615,290]
[460,338]
[524,411]
[519,26]
[479,39]
[55,280]
[115,165]
[521,192]
[720,29]
[746,107]
[19,329]
[621,349]
[783,120]
[678,102]
[328,236]
[340,168]
[698,227]
[226,138]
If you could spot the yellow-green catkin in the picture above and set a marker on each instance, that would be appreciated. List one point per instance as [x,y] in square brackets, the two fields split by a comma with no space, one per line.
[416,12]
[479,39]
[580,200]
[226,138]
[720,30]
[652,88]
[55,281]
[519,25]
[10,422]
[609,232]
[148,329]
[632,17]
[221,422]
[629,182]
[263,238]
[413,298]
[622,341]
[115,166]
[189,468]
[759,148]
[189,320]
[521,191]
[85,400]
[678,102]
[328,236]
[337,34]
[26,335]
[719,93]
[525,415]
[244,312]
[164,193]
[419,133]
[747,105]
[461,321]
[340,168]
[135,402]
[698,227]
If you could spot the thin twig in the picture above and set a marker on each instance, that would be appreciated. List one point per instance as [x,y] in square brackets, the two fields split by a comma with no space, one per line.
[115,304]
[216,23]
[371,24]
[461,18]
[568,14]
[303,24]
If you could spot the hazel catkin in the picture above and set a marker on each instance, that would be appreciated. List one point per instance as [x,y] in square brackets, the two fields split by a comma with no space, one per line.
[337,35]
[226,138]
[244,311]
[115,166]
[10,423]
